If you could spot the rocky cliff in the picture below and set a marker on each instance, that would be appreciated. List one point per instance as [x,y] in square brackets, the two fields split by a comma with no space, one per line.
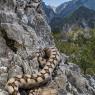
[22,24]
[23,30]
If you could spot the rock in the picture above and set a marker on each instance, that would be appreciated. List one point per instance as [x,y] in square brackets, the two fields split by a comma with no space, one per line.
[2,92]
[91,80]
[69,81]
[3,69]
[23,30]
[3,47]
[24,26]
[15,70]
[61,82]
[3,80]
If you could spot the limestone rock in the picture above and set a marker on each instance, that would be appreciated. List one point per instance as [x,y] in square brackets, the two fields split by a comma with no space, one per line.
[15,70]
[23,30]
[67,80]
[3,80]
[23,26]
[2,92]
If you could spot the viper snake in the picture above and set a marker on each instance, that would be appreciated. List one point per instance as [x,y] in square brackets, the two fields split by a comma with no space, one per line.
[50,59]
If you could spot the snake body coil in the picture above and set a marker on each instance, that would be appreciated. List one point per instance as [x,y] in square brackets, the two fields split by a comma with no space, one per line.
[51,59]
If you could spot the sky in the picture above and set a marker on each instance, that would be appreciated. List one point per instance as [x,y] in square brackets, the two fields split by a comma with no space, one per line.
[55,2]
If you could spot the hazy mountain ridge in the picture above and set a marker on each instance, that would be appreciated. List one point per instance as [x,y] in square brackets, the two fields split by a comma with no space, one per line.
[75,4]
[70,8]
[49,11]
[82,17]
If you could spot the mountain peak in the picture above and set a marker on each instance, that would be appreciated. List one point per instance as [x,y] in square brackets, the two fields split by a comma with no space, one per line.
[76,10]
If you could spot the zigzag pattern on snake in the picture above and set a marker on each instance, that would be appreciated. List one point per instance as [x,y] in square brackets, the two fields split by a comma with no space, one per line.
[50,59]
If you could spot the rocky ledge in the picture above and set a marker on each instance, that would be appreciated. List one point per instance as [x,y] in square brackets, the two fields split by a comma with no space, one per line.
[23,30]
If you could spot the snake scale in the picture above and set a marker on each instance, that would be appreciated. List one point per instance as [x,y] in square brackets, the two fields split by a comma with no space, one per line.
[50,60]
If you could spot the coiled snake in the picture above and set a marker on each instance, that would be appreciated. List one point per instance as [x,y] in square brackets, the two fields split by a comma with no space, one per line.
[50,60]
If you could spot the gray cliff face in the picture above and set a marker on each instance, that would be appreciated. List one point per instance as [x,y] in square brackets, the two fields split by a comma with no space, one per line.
[23,29]
[22,23]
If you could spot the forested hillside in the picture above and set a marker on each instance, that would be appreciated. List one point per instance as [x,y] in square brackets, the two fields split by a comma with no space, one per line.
[79,45]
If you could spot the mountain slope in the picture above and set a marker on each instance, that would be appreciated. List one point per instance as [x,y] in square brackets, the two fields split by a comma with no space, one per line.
[70,11]
[49,11]
[90,4]
[82,17]
[71,6]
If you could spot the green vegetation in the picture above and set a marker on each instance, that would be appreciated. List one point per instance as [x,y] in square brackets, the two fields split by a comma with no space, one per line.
[80,46]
